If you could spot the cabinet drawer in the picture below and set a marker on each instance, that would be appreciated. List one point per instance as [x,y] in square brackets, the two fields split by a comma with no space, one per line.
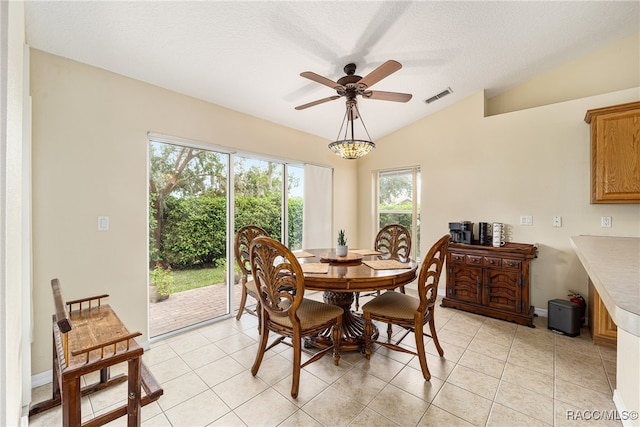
[474,259]
[457,257]
[492,262]
[515,264]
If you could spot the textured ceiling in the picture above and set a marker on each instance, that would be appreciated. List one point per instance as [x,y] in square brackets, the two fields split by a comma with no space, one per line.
[247,56]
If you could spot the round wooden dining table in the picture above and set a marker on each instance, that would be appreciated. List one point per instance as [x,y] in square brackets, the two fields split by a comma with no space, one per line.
[346,275]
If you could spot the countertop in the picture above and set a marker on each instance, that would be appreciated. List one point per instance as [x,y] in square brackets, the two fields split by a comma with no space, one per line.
[613,265]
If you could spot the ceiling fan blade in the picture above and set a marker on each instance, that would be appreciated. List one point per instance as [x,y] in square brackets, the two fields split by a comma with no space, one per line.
[387,96]
[322,80]
[319,101]
[380,73]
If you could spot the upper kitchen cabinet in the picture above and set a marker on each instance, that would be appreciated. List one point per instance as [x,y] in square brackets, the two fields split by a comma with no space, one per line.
[615,153]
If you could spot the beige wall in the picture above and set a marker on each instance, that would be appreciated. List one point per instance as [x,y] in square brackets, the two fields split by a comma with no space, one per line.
[529,162]
[609,69]
[90,158]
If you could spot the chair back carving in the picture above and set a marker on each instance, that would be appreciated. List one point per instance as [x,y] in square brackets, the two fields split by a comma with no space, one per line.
[244,237]
[395,240]
[430,273]
[279,278]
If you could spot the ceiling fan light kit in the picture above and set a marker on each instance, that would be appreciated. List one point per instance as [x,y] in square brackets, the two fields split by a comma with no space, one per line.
[350,147]
[350,86]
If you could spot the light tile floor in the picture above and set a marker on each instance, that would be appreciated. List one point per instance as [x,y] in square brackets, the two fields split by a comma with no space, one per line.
[494,373]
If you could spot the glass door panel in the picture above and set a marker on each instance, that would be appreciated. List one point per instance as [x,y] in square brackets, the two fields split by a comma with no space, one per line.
[295,205]
[188,222]
[258,200]
[258,194]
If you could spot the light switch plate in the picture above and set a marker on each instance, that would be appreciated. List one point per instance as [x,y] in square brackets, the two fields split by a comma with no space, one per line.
[557,221]
[103,223]
[526,220]
[605,222]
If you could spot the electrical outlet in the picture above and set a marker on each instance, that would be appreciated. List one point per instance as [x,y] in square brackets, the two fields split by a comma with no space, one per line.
[605,222]
[526,220]
[557,221]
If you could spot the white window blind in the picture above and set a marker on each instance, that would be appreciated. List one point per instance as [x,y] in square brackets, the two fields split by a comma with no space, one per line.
[318,207]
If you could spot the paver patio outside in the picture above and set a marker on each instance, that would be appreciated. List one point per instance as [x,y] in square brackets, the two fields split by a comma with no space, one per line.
[191,307]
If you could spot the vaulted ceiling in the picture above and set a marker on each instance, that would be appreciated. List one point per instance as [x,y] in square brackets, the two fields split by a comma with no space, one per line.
[248,55]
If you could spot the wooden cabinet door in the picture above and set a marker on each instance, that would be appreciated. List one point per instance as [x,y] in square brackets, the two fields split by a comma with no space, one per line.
[464,283]
[603,330]
[502,290]
[615,150]
[606,327]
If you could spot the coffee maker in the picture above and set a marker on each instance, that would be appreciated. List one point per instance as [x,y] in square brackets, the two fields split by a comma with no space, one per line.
[461,232]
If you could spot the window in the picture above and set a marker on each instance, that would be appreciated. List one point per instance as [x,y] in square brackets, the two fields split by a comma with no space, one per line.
[398,201]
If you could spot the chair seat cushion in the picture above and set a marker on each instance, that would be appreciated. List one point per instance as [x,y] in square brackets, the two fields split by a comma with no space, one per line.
[393,304]
[251,287]
[311,314]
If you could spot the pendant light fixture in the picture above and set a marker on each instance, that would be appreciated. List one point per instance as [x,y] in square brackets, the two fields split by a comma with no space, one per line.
[350,147]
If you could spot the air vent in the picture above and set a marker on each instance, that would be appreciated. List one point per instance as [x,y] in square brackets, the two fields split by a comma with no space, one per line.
[445,92]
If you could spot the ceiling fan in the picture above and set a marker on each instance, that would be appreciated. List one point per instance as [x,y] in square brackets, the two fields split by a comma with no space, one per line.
[352,85]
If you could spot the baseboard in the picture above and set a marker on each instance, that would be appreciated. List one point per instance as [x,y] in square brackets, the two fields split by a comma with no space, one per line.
[42,378]
[541,312]
[626,420]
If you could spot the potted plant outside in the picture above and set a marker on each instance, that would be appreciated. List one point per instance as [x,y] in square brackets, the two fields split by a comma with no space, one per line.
[342,249]
[160,283]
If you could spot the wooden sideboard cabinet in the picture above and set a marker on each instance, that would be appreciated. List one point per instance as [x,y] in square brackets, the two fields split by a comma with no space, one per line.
[615,153]
[601,326]
[491,281]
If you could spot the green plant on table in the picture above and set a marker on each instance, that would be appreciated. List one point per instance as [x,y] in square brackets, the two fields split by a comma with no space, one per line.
[162,279]
[342,241]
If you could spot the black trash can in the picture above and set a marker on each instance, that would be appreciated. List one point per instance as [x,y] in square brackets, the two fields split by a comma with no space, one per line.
[564,317]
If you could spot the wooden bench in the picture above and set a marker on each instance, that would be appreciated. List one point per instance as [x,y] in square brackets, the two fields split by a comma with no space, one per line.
[88,339]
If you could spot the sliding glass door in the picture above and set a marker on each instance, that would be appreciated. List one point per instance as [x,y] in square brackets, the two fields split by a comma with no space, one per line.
[194,212]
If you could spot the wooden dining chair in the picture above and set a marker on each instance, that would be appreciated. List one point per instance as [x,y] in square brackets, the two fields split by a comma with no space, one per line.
[244,237]
[284,310]
[393,240]
[408,312]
